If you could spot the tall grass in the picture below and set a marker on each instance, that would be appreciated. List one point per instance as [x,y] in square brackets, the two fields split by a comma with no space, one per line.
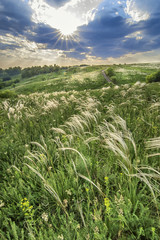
[87,164]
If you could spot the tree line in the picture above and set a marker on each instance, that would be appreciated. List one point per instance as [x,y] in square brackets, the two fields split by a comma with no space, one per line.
[7,74]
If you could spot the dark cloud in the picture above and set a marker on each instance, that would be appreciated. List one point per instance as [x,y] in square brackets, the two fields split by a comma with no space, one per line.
[15,18]
[106,35]
[53,39]
[56,3]
[152,25]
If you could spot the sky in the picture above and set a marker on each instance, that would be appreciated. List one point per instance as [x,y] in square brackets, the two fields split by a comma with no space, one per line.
[73,32]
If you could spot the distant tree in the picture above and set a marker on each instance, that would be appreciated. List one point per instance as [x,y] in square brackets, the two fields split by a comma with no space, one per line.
[13,71]
[33,71]
[6,78]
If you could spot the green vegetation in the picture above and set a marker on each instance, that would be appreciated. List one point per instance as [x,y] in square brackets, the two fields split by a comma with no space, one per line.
[110,72]
[79,158]
[155,77]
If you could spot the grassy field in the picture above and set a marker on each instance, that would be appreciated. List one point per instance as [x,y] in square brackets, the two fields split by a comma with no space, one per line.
[79,158]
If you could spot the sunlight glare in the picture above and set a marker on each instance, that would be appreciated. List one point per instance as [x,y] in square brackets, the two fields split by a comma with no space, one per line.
[65,21]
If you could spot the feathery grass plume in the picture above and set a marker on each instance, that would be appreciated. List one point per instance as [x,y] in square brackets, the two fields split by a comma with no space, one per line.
[117,137]
[91,139]
[89,104]
[40,146]
[87,179]
[78,123]
[91,117]
[6,105]
[50,105]
[114,139]
[59,130]
[153,143]
[81,156]
[155,105]
[81,213]
[148,179]
[48,187]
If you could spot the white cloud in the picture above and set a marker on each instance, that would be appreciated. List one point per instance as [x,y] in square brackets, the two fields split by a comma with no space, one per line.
[66,18]
[138,35]
[135,12]
[141,9]
[20,42]
[141,57]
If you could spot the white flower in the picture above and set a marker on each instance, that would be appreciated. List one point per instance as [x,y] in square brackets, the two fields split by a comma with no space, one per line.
[45,217]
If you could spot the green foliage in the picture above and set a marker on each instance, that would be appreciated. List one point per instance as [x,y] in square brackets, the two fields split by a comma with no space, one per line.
[7,94]
[114,79]
[33,71]
[6,78]
[110,72]
[155,77]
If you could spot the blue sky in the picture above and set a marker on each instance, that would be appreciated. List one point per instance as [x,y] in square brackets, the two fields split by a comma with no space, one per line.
[71,32]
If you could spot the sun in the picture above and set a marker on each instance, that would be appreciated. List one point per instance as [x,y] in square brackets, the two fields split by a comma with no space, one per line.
[66,23]
[62,20]
[67,30]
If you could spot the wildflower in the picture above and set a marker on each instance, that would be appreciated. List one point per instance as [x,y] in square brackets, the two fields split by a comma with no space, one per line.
[87,189]
[45,217]
[107,204]
[106,180]
[26,208]
[153,229]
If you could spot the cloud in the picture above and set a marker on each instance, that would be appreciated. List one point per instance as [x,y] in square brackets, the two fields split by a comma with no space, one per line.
[56,3]
[140,10]
[15,17]
[105,34]
[113,36]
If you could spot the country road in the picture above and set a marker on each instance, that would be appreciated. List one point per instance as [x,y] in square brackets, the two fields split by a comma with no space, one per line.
[106,77]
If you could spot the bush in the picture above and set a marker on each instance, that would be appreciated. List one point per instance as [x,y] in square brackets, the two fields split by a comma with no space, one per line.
[7,94]
[114,79]
[155,77]
[110,72]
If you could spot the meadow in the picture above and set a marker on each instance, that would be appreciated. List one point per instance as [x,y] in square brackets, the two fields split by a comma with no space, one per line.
[79,157]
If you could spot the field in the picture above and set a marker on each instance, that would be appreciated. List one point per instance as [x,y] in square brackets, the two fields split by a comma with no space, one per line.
[79,158]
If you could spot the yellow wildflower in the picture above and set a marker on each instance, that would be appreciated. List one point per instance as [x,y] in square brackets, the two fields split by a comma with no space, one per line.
[107,204]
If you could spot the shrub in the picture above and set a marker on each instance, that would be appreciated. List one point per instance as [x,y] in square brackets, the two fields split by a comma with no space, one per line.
[155,77]
[7,94]
[114,79]
[110,72]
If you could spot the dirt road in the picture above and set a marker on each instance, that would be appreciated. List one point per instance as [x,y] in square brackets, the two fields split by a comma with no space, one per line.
[106,77]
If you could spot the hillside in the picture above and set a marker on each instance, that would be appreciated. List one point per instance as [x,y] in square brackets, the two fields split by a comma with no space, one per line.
[79,157]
